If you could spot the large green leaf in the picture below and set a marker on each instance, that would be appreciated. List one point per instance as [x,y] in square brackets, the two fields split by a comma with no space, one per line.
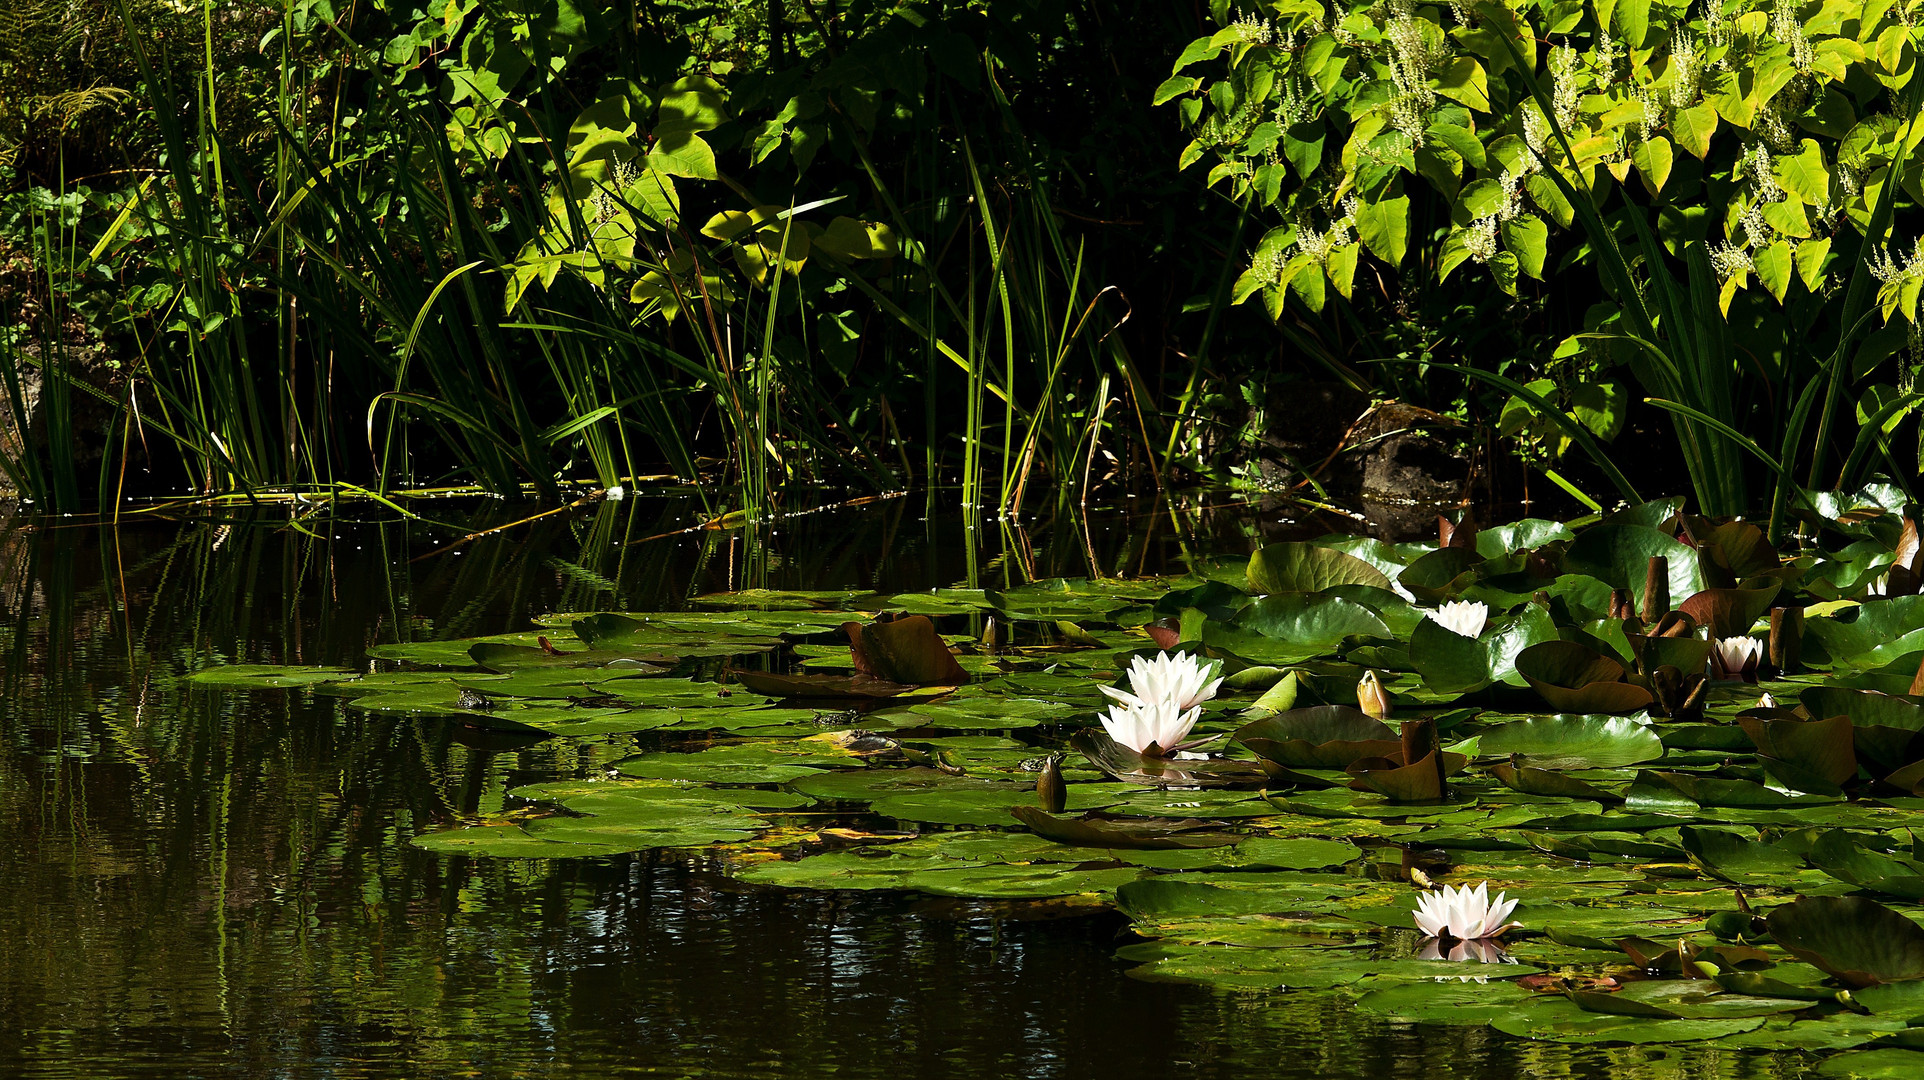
[1620,555]
[1299,567]
[1574,742]
[1452,663]
[1860,942]
[1872,634]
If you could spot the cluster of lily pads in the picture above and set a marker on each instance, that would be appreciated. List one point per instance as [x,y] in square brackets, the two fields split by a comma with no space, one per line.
[1692,758]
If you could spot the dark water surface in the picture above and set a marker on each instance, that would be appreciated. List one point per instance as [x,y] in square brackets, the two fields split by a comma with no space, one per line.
[205,883]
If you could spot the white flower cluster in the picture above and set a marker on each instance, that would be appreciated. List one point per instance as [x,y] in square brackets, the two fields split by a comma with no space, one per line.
[1318,245]
[1292,107]
[1606,50]
[1565,95]
[1251,30]
[1787,28]
[1266,265]
[1417,47]
[1728,259]
[1686,70]
[1652,112]
[1716,30]
[1888,270]
[1756,169]
[1480,239]
[1536,130]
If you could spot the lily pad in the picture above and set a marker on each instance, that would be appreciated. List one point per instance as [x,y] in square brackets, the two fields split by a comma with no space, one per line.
[1558,1019]
[1136,835]
[1318,737]
[268,676]
[1870,635]
[1564,741]
[1299,567]
[1875,1065]
[1291,627]
[1859,942]
[1620,555]
[1452,663]
[1576,679]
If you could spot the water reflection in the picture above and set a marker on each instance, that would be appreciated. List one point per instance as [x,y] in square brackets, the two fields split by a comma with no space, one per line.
[205,883]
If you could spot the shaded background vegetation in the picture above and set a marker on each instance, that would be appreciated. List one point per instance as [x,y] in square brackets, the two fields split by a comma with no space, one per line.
[254,245]
[383,245]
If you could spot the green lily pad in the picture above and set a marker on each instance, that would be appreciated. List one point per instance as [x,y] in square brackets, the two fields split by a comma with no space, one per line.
[1860,942]
[1558,1019]
[1839,854]
[268,676]
[1870,635]
[1440,575]
[748,763]
[1520,535]
[1730,612]
[1875,1065]
[1134,835]
[1318,737]
[1738,858]
[1291,627]
[1451,663]
[1620,555]
[988,713]
[611,818]
[1684,793]
[1445,1002]
[1308,568]
[1564,741]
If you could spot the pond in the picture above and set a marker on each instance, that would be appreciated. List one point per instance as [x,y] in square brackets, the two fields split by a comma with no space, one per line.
[204,881]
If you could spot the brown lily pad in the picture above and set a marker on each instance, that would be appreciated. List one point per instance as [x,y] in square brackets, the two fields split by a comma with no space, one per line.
[905,650]
[1577,679]
[1134,834]
[819,686]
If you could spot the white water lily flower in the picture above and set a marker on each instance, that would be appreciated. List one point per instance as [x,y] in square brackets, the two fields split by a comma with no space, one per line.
[1158,724]
[1766,702]
[1464,617]
[1736,657]
[1879,585]
[1463,913]
[1181,680]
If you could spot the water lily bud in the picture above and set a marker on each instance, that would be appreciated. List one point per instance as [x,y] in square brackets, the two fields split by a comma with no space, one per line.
[994,633]
[1372,698]
[1786,638]
[1621,605]
[1656,589]
[1050,789]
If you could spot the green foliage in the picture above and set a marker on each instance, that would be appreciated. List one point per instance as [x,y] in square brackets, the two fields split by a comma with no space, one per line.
[1509,143]
[498,244]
